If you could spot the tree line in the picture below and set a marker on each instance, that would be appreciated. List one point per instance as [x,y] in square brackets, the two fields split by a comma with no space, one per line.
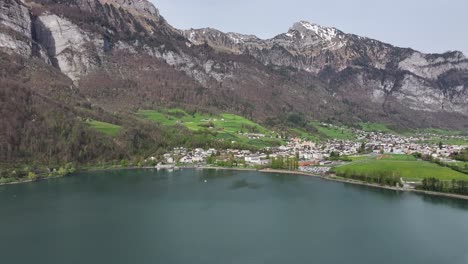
[387,178]
[436,185]
[281,163]
[461,156]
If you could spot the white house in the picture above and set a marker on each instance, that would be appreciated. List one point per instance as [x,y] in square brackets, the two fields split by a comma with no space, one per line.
[186,159]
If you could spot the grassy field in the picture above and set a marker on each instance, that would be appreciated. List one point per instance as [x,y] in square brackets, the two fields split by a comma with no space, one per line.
[358,158]
[297,132]
[408,167]
[106,128]
[375,127]
[226,122]
[447,137]
[226,126]
[326,131]
[442,132]
[461,166]
[333,132]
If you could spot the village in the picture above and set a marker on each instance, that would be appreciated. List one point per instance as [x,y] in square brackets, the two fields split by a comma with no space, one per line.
[312,156]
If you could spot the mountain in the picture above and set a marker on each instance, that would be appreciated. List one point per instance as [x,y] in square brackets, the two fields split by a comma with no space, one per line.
[63,61]
[424,82]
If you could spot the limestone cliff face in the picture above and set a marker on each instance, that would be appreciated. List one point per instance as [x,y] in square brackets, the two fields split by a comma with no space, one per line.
[432,66]
[123,54]
[305,46]
[141,7]
[70,49]
[15,27]
[311,47]
[130,26]
[15,15]
[418,80]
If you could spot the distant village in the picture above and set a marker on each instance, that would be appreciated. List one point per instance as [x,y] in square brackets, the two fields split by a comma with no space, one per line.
[312,156]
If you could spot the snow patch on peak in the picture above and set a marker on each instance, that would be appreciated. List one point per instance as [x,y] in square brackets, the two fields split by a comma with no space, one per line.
[192,36]
[312,27]
[240,38]
[325,33]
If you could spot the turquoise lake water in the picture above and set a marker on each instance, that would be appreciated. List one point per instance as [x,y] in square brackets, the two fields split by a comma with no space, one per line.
[217,217]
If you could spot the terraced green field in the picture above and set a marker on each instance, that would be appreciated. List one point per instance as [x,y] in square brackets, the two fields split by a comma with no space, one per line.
[297,132]
[105,128]
[333,132]
[406,167]
[442,132]
[227,127]
[375,127]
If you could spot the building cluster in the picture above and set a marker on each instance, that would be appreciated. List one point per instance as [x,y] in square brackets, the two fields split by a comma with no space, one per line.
[314,156]
[388,143]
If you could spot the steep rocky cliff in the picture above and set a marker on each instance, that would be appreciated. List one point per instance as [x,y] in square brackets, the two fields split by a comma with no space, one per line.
[416,80]
[123,55]
[70,49]
[15,27]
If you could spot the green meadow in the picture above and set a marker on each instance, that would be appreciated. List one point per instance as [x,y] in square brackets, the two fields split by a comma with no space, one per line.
[375,127]
[407,167]
[105,128]
[228,127]
[301,133]
[325,131]
[442,132]
[333,132]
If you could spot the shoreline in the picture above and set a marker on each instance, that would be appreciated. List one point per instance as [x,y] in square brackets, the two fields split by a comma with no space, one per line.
[30,181]
[300,173]
[373,185]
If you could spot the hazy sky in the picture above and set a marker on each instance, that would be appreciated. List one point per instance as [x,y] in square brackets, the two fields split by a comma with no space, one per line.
[426,25]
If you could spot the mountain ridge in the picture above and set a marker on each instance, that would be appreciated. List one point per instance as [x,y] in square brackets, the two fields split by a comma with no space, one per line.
[304,26]
[77,37]
[254,36]
[319,48]
[105,60]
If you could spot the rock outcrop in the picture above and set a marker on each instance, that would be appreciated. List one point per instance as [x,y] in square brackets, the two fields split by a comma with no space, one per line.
[68,47]
[141,7]
[15,27]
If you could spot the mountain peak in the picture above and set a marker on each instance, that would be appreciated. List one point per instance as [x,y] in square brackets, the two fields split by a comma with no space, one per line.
[306,28]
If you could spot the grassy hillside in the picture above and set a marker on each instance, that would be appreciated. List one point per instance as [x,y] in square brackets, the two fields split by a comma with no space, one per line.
[226,127]
[105,128]
[301,133]
[375,127]
[403,166]
[326,131]
[443,132]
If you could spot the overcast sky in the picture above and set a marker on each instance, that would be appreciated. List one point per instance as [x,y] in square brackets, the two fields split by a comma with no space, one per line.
[426,25]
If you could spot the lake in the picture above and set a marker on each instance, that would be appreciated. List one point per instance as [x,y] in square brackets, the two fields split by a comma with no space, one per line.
[214,217]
